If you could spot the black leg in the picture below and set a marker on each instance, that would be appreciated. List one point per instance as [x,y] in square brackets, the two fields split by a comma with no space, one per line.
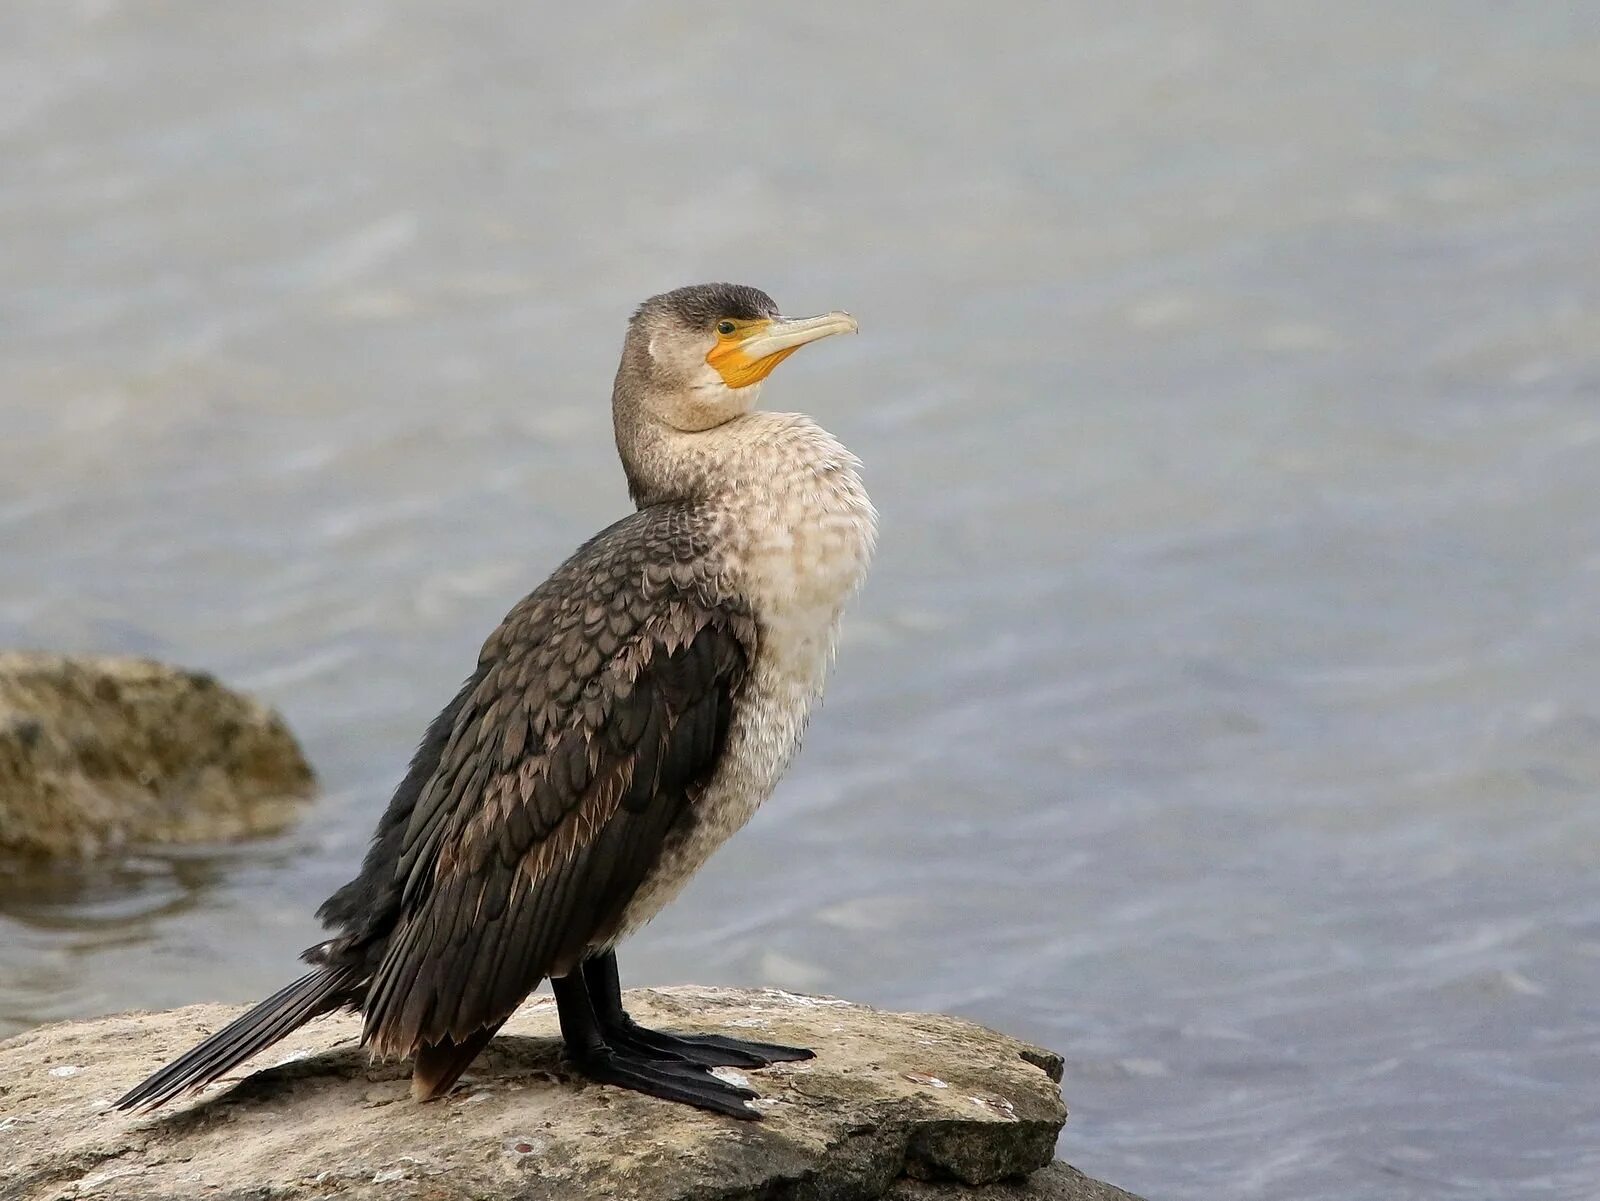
[593,1055]
[605,988]
[712,1050]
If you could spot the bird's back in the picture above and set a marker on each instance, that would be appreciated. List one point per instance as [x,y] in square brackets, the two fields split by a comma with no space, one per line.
[654,573]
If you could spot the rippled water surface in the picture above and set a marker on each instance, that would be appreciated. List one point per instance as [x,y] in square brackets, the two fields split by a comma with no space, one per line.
[1224,708]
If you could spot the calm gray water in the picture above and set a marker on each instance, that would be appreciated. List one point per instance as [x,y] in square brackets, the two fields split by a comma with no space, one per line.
[1224,708]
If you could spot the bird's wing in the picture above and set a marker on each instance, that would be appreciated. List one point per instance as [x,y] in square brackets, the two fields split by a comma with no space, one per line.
[599,712]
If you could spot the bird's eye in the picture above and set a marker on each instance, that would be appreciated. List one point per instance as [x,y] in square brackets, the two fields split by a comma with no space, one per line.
[725,327]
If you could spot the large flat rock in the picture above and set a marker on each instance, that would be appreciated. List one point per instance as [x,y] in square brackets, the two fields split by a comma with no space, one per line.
[97,753]
[890,1097]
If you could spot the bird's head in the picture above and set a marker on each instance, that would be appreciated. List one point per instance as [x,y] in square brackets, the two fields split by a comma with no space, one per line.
[695,357]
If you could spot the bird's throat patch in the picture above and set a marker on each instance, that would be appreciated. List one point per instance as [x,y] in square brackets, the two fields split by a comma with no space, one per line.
[734,364]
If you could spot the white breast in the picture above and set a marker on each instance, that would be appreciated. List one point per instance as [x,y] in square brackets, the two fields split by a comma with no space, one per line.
[800,533]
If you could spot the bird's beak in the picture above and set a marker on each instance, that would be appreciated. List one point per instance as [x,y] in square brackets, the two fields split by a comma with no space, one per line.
[748,355]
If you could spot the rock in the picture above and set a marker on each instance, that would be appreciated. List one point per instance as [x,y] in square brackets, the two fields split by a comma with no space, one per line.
[890,1100]
[1058,1182]
[97,753]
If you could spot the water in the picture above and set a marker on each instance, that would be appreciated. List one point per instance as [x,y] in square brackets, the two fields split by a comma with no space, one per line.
[1222,709]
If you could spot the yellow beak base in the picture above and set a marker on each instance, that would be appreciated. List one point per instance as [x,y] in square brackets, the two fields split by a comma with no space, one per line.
[750,353]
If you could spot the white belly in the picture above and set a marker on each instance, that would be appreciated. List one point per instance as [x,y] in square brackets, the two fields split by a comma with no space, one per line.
[804,551]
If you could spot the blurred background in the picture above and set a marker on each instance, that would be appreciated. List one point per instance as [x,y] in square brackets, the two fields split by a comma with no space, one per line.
[1222,710]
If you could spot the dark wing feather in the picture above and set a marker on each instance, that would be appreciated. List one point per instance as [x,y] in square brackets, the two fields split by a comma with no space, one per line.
[598,713]
[364,908]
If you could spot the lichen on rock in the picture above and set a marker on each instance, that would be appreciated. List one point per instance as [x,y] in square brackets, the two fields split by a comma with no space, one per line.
[313,1118]
[98,753]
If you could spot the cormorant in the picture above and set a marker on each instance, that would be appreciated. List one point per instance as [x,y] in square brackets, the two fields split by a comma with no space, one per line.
[622,722]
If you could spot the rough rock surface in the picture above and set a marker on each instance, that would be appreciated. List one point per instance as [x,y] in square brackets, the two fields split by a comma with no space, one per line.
[891,1100]
[97,753]
[1058,1182]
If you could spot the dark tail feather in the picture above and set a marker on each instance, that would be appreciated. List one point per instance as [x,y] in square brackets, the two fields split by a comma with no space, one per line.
[284,1011]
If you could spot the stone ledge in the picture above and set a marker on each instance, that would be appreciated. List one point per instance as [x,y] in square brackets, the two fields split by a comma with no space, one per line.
[891,1100]
[1058,1182]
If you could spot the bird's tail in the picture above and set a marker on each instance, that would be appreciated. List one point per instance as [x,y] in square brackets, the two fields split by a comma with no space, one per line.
[286,1010]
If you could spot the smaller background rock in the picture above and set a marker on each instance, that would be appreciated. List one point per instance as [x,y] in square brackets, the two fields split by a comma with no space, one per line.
[102,752]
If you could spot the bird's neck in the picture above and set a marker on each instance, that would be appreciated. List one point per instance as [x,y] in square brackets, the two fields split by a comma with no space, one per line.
[754,453]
